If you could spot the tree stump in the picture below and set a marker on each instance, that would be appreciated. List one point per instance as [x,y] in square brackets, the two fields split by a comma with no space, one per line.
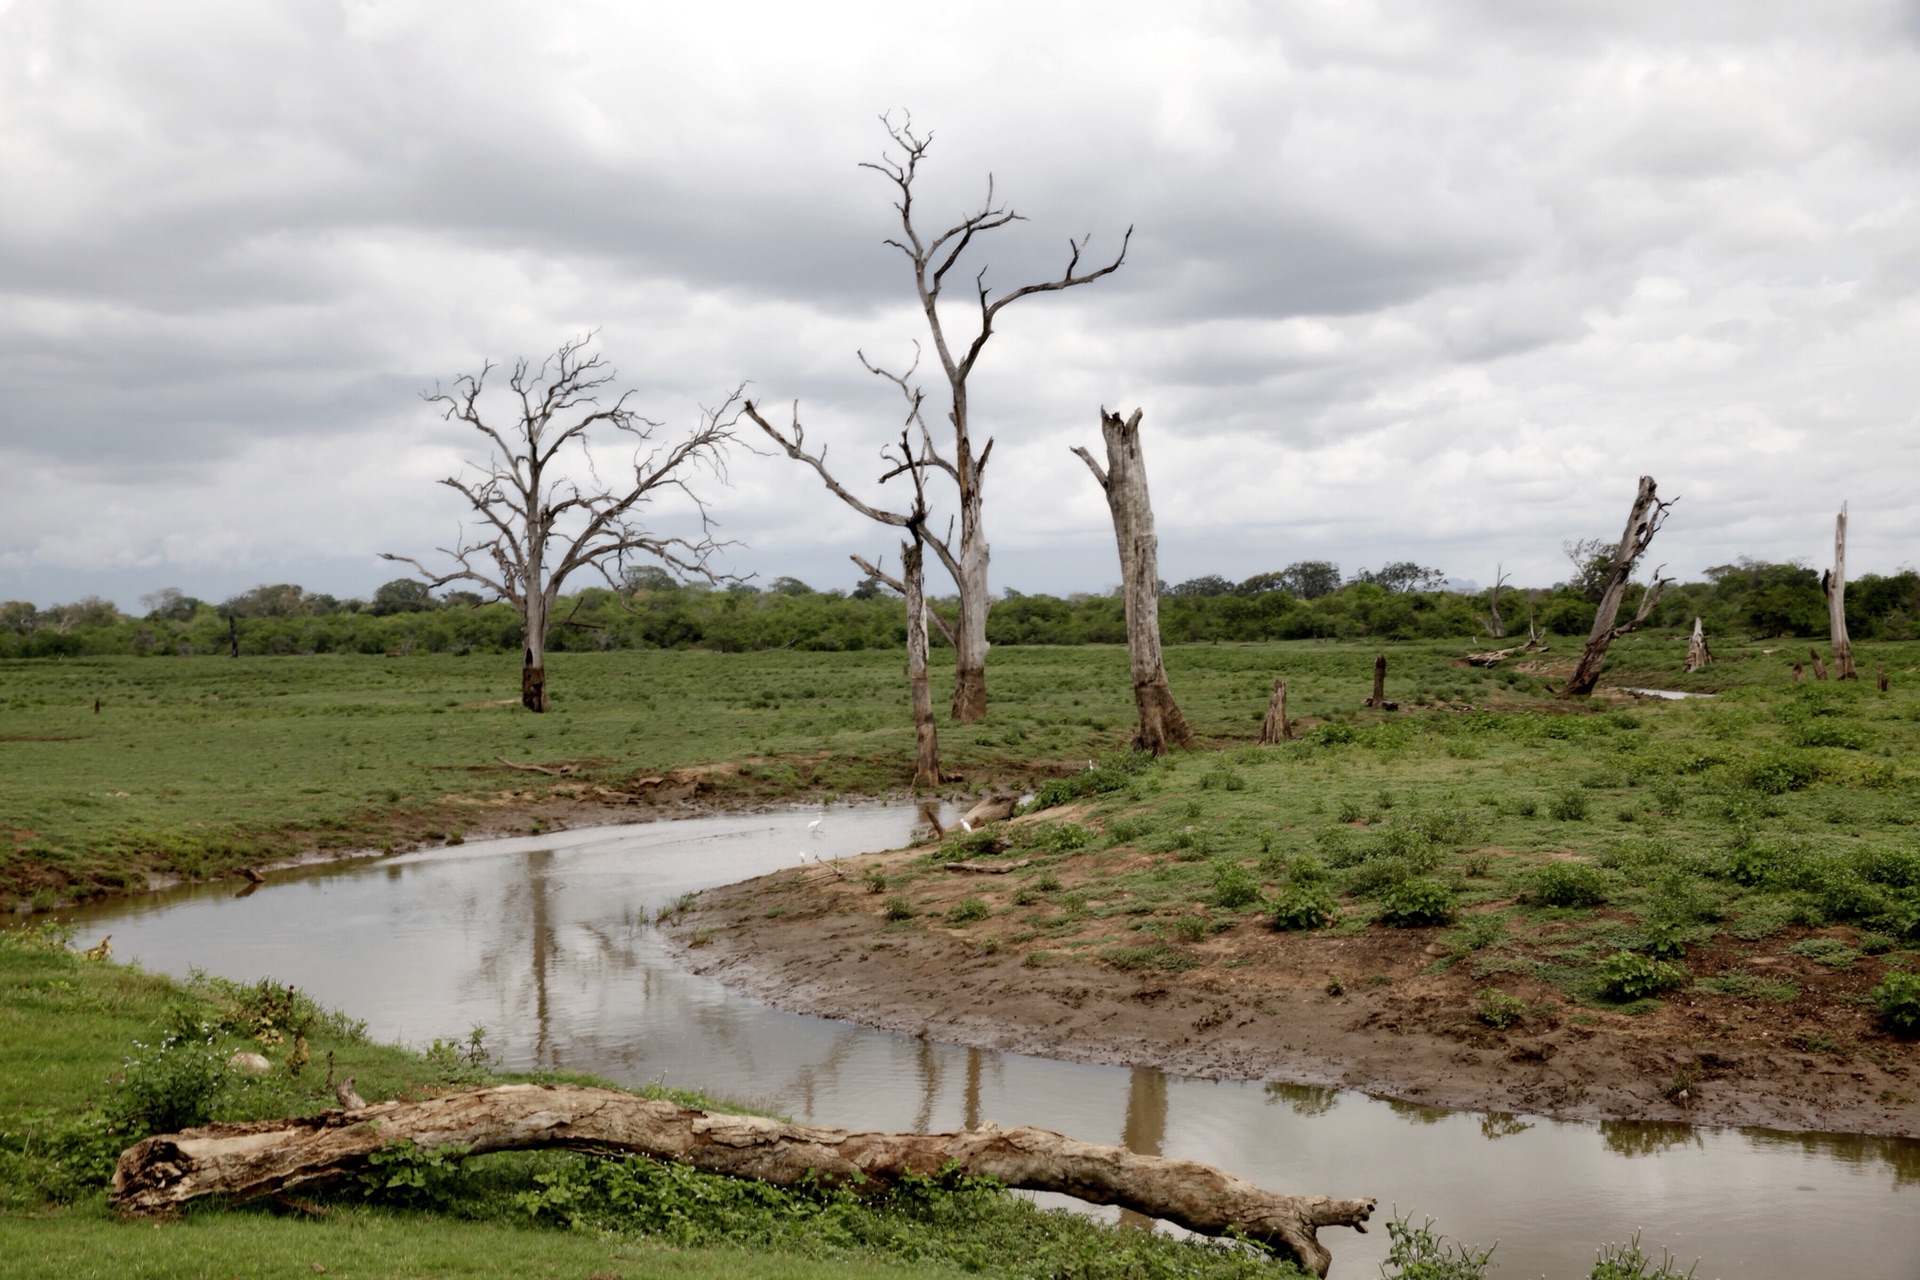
[1819,667]
[1697,655]
[1276,727]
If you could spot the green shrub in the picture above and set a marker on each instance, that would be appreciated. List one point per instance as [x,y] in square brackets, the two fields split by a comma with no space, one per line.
[1779,772]
[172,1085]
[899,909]
[1154,956]
[1305,906]
[1233,886]
[1898,999]
[1498,1009]
[1626,976]
[1627,1262]
[1568,806]
[1418,1253]
[1306,869]
[1570,884]
[1413,903]
[967,910]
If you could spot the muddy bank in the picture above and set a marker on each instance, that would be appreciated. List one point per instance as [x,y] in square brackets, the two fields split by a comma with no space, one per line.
[1362,1012]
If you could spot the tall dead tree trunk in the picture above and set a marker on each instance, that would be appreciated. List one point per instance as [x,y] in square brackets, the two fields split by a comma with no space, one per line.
[932,258]
[1697,655]
[1643,521]
[265,1157]
[1378,700]
[1124,481]
[911,584]
[1834,583]
[1492,622]
[1276,728]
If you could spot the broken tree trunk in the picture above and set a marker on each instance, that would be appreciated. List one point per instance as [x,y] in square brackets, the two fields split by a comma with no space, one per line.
[1496,628]
[1819,667]
[1697,655]
[911,584]
[265,1157]
[1124,481]
[1880,674]
[1379,699]
[1643,521]
[1276,727]
[1834,584]
[1798,674]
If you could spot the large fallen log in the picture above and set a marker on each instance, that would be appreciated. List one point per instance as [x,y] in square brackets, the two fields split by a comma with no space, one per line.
[267,1157]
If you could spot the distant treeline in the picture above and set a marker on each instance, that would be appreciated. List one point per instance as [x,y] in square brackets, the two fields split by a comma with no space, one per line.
[1748,597]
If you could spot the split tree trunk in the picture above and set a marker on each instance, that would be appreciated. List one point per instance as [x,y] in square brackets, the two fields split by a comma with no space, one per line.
[1643,521]
[1276,727]
[1819,667]
[1379,698]
[926,735]
[1835,585]
[970,632]
[533,669]
[266,1157]
[1124,480]
[1697,655]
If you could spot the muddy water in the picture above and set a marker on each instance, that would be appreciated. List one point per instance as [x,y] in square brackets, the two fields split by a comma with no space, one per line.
[543,940]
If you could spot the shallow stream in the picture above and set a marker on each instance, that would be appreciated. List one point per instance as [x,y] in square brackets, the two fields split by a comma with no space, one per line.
[544,941]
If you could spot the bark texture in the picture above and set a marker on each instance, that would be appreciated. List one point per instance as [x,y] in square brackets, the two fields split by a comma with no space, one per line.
[926,734]
[267,1157]
[1276,727]
[1124,480]
[1643,521]
[1819,667]
[1834,583]
[1697,655]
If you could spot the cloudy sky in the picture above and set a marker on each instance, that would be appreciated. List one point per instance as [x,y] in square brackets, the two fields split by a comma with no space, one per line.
[1427,281]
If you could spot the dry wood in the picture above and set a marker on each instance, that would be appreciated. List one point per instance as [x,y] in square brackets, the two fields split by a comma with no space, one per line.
[1819,667]
[931,258]
[552,771]
[1124,481]
[1643,521]
[1798,673]
[537,526]
[1697,655]
[991,809]
[1880,674]
[1276,727]
[269,1157]
[1378,700]
[1834,584]
[988,868]
[1496,628]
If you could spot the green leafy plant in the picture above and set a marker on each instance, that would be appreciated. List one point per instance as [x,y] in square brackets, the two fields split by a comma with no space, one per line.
[1626,976]
[1417,902]
[967,910]
[899,908]
[1898,1000]
[1570,884]
[172,1085]
[1421,1253]
[413,1176]
[1305,906]
[1498,1009]
[1233,886]
[1568,806]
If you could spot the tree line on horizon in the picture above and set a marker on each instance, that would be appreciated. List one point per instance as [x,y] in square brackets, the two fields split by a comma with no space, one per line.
[1305,600]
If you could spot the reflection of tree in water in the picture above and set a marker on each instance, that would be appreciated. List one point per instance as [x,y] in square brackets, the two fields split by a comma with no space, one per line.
[1646,1137]
[1304,1099]
[1416,1113]
[1900,1155]
[1495,1125]
[1145,1130]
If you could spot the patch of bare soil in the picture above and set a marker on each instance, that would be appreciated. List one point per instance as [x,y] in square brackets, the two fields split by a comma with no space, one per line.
[1367,1011]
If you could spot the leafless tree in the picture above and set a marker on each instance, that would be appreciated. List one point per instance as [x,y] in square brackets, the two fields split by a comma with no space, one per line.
[1834,584]
[933,257]
[538,525]
[1124,481]
[911,583]
[1643,521]
[1492,622]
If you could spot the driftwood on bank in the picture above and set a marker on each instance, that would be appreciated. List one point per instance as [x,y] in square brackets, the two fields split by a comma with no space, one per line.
[268,1157]
[988,868]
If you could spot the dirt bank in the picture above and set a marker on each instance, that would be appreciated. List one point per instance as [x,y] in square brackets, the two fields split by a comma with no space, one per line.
[1367,1011]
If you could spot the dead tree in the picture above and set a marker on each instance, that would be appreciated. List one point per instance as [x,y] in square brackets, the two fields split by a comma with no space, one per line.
[911,584]
[932,258]
[1648,514]
[248,1159]
[1819,667]
[1495,627]
[537,525]
[1276,728]
[1697,655]
[1124,481]
[1834,584]
[1378,700]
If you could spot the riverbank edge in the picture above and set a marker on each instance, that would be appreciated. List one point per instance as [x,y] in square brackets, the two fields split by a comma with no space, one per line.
[814,955]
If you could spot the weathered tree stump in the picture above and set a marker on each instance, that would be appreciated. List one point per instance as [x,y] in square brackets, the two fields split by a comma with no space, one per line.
[269,1157]
[1819,667]
[1643,521]
[1276,727]
[1697,655]
[1834,584]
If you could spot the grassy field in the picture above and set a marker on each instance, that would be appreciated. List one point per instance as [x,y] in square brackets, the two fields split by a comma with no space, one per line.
[1755,852]
[198,765]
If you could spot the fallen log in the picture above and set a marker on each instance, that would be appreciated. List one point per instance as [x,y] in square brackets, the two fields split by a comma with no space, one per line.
[552,771]
[269,1157]
[988,868]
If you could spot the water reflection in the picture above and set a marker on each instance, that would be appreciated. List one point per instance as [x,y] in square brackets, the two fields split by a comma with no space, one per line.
[543,942]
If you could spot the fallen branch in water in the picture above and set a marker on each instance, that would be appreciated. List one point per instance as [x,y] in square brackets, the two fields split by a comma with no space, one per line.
[270,1157]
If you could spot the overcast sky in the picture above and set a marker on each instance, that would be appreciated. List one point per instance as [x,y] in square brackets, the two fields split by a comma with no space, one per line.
[1431,282]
